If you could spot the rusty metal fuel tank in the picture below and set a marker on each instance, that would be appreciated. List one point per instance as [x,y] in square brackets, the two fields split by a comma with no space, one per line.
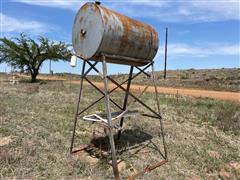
[121,39]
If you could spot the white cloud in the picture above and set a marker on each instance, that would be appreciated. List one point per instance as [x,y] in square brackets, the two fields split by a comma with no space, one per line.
[75,4]
[189,12]
[202,50]
[65,4]
[13,25]
[165,11]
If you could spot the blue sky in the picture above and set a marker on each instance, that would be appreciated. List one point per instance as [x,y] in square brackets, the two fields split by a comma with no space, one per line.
[202,34]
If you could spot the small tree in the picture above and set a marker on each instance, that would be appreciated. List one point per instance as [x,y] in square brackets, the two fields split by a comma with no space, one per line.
[26,53]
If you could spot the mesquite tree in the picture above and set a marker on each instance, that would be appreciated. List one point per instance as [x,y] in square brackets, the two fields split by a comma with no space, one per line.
[25,53]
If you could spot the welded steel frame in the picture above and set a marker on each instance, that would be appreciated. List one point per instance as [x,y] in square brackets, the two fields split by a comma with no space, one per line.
[106,94]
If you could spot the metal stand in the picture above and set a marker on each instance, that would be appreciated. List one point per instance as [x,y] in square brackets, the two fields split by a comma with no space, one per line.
[123,109]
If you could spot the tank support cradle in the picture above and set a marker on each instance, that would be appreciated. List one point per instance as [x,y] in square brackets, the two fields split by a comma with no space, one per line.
[106,96]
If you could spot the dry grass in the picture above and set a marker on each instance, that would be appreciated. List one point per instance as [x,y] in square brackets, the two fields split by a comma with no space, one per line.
[39,121]
[228,118]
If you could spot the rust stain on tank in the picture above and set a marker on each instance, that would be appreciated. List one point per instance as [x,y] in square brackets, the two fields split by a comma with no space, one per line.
[105,18]
[106,15]
[81,19]
[84,8]
[128,27]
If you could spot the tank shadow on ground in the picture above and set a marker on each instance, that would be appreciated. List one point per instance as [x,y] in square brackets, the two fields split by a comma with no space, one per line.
[129,138]
[132,141]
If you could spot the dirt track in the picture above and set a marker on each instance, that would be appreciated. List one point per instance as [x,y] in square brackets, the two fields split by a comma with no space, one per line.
[221,95]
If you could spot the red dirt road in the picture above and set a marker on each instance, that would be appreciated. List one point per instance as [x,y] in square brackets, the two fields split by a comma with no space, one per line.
[221,95]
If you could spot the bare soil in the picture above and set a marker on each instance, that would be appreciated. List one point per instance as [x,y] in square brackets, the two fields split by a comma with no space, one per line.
[221,95]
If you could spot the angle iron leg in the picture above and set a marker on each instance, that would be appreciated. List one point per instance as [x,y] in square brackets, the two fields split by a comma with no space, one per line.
[158,107]
[111,138]
[125,100]
[151,167]
[79,99]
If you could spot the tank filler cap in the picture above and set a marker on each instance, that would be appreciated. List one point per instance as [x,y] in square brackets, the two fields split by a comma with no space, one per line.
[98,2]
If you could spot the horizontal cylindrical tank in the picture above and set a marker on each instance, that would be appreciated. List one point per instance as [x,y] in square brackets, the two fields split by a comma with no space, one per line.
[123,40]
